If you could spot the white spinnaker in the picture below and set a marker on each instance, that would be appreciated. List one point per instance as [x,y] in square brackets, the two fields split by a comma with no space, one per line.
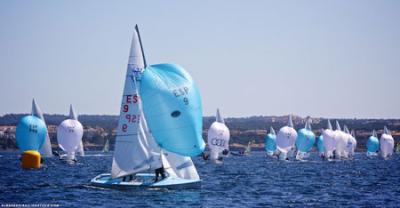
[386,143]
[286,137]
[218,137]
[178,165]
[329,140]
[45,150]
[69,135]
[135,148]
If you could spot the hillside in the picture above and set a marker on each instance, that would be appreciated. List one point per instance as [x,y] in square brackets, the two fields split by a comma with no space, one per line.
[99,128]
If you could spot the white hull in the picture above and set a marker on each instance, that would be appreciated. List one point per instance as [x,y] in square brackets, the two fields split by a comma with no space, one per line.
[143,180]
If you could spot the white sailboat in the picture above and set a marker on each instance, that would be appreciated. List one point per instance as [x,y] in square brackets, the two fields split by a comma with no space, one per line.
[174,117]
[329,141]
[218,139]
[69,136]
[285,140]
[386,144]
[45,150]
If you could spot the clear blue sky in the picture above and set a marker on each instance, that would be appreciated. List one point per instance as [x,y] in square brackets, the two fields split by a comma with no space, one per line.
[319,58]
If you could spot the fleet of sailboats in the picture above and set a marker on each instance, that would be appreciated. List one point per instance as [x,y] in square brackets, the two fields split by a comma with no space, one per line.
[160,129]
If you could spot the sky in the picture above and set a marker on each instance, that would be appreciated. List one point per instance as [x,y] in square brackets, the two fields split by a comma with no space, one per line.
[337,59]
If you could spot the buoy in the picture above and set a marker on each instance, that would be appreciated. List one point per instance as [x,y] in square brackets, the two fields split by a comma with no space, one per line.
[30,159]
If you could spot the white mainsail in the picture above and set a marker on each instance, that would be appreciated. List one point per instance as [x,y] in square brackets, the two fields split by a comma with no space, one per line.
[135,148]
[45,150]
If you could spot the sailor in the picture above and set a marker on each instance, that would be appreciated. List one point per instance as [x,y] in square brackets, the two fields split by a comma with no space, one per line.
[225,152]
[205,156]
[160,171]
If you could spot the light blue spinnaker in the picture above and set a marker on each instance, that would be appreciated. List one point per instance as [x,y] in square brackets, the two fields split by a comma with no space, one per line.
[305,138]
[172,108]
[30,133]
[373,143]
[270,141]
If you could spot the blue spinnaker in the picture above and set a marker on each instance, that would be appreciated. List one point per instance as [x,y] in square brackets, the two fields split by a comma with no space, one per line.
[270,141]
[30,133]
[305,140]
[172,107]
[320,144]
[373,143]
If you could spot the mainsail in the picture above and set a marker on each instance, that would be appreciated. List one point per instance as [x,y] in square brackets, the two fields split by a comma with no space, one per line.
[135,148]
[45,150]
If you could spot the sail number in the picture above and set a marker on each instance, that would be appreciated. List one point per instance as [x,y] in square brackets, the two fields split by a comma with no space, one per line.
[218,142]
[182,92]
[128,101]
[130,118]
[33,128]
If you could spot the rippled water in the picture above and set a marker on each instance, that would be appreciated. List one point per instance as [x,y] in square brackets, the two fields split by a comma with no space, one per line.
[253,181]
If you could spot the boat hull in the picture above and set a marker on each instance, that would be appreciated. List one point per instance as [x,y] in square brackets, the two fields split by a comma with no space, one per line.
[143,180]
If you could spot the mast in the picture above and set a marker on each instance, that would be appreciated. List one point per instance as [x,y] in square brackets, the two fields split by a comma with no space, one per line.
[141,46]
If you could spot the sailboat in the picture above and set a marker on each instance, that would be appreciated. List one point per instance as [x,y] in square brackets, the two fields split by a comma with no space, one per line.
[218,139]
[69,136]
[30,135]
[160,126]
[373,144]
[329,141]
[45,150]
[386,143]
[270,142]
[285,140]
[305,140]
[106,147]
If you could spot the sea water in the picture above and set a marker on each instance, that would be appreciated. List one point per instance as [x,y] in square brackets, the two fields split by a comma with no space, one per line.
[241,181]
